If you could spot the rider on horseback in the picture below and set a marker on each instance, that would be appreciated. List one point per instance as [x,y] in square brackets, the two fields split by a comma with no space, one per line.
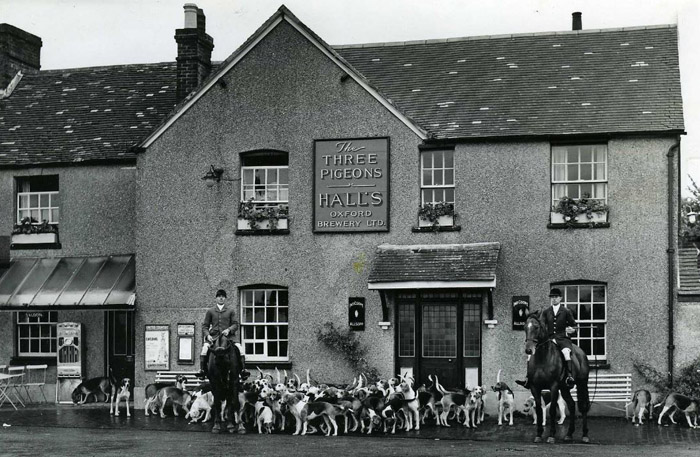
[219,320]
[559,323]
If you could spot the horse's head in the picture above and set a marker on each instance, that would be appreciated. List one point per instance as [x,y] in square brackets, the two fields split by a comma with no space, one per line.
[221,345]
[533,332]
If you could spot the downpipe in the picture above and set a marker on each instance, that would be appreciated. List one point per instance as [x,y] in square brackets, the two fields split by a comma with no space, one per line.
[671,250]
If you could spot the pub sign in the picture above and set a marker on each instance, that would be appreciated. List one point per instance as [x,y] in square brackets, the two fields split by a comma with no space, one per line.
[351,185]
[521,308]
[356,313]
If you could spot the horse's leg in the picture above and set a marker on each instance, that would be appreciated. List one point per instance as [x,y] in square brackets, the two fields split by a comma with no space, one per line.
[539,413]
[553,413]
[566,393]
[216,412]
[584,405]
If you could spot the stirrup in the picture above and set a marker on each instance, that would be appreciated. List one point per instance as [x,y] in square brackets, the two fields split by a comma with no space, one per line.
[570,382]
[201,374]
[244,375]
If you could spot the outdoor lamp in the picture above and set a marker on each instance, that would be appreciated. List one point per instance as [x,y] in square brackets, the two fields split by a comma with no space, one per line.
[692,217]
[213,176]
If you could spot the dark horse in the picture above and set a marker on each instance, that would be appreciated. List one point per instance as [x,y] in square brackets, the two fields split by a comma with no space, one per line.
[223,373]
[545,370]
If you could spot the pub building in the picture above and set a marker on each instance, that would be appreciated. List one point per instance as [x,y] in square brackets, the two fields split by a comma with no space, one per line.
[407,191]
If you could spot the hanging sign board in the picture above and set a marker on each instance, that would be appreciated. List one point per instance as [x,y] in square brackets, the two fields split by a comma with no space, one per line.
[185,343]
[351,185]
[356,313]
[521,308]
[157,352]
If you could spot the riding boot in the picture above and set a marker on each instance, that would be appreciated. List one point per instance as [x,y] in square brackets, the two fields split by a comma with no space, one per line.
[570,374]
[202,373]
[525,384]
[244,373]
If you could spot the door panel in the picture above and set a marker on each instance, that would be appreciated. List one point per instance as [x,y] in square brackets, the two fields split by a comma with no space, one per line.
[120,344]
[439,333]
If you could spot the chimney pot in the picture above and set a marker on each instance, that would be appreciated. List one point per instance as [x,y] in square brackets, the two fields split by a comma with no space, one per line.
[576,23]
[190,15]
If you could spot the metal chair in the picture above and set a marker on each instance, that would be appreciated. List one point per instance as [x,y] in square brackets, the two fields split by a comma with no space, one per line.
[35,377]
[16,384]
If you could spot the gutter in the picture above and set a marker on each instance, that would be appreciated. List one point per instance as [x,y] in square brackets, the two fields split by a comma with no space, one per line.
[671,251]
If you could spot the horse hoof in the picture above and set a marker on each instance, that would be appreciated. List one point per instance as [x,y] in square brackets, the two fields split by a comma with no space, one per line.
[538,439]
[585,440]
[568,439]
[551,440]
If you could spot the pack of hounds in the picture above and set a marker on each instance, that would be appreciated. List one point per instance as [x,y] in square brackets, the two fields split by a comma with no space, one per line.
[385,406]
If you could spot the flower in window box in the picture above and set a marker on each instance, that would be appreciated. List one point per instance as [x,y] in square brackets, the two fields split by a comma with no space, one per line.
[436,214]
[260,217]
[28,226]
[578,211]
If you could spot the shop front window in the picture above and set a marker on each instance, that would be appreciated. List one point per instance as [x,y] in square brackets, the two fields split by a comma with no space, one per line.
[264,324]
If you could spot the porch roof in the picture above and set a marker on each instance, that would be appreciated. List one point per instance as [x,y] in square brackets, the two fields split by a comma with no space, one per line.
[69,282]
[434,266]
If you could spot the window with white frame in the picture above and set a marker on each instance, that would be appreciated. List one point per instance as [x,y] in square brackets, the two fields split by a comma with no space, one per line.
[36,334]
[38,199]
[589,305]
[264,324]
[437,177]
[580,171]
[265,178]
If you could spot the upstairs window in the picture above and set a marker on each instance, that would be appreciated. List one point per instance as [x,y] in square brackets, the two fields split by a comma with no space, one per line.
[38,199]
[580,171]
[437,177]
[265,178]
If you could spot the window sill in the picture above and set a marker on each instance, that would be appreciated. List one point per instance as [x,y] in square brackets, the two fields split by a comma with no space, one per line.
[280,365]
[27,360]
[20,246]
[439,228]
[584,225]
[261,232]
[599,365]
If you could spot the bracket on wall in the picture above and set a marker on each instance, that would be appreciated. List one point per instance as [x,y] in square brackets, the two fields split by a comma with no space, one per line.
[384,324]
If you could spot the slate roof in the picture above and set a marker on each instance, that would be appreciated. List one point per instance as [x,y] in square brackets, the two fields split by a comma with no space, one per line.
[576,82]
[85,114]
[448,262]
[688,271]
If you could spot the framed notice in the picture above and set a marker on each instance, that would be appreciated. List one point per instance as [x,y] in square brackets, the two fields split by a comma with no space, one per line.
[521,308]
[157,350]
[351,185]
[356,313]
[185,343]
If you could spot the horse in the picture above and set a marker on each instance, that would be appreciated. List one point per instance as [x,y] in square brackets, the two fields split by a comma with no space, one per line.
[224,369]
[545,370]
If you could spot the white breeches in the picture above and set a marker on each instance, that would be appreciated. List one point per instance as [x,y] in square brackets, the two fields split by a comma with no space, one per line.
[567,353]
[205,348]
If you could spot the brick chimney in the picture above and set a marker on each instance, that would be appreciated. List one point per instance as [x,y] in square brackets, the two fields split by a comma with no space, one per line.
[576,23]
[19,50]
[194,48]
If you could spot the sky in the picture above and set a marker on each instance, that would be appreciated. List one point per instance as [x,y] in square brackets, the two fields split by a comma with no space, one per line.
[88,33]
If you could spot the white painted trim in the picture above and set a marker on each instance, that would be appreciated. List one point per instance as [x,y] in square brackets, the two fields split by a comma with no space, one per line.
[431,285]
[159,131]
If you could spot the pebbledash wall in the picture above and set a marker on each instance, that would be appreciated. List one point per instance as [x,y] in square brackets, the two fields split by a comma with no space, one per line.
[96,214]
[283,95]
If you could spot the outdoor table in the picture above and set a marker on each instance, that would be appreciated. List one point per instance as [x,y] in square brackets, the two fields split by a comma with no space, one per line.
[4,386]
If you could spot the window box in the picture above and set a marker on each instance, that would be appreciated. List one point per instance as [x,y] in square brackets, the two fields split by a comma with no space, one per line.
[244,224]
[558,218]
[442,221]
[35,238]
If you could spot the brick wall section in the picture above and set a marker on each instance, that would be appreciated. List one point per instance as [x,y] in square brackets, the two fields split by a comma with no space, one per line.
[194,48]
[19,50]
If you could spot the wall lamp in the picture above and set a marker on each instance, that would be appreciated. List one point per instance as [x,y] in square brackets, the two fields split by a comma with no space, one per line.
[213,176]
[692,217]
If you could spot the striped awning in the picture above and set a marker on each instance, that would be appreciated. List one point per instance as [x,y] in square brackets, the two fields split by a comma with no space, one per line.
[69,283]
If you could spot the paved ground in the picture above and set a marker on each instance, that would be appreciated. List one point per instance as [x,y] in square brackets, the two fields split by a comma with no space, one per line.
[603,430]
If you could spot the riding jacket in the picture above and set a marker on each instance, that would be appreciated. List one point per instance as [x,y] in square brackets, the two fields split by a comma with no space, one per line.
[555,326]
[217,321]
